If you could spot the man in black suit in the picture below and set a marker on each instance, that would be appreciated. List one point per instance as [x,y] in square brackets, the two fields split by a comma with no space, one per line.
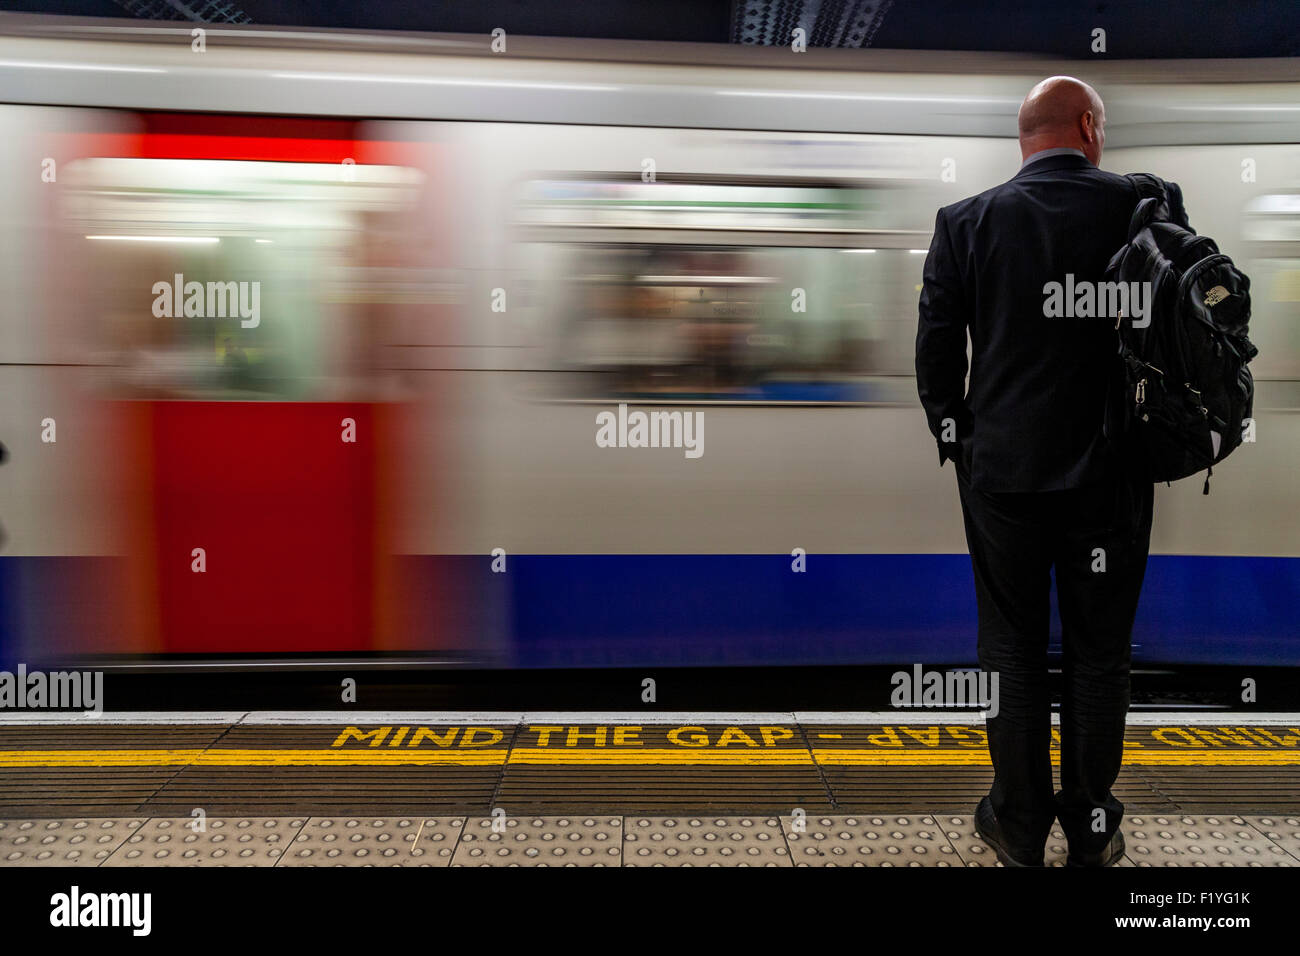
[1041,486]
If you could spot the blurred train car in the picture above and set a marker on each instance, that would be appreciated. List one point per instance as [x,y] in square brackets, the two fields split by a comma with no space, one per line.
[306,340]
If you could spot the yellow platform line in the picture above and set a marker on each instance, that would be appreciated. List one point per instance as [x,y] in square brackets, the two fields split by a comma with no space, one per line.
[654,756]
[497,756]
[1133,757]
[1212,758]
[844,757]
[98,758]
[488,756]
[250,758]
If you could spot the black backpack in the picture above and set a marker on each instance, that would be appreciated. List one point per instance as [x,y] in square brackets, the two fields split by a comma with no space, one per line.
[1182,389]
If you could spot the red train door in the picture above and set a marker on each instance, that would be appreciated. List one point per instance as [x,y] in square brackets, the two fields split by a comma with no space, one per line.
[248,436]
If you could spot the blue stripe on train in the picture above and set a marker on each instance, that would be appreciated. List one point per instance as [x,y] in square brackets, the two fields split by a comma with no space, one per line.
[634,610]
[9,623]
[638,610]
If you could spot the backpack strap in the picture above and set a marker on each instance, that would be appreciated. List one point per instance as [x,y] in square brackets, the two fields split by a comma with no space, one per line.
[1148,186]
[1153,187]
[1153,201]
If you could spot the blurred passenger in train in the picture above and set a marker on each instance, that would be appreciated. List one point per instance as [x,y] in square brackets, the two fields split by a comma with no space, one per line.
[236,363]
[1040,486]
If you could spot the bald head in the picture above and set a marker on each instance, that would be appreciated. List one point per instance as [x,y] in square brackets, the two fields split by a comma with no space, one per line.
[1062,112]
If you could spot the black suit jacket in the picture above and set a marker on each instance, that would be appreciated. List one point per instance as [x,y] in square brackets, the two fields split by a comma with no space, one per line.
[1032,420]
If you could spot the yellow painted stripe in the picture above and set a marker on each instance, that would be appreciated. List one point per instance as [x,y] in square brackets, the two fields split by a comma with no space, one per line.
[1133,757]
[876,757]
[657,756]
[784,757]
[98,758]
[1212,758]
[375,757]
[249,758]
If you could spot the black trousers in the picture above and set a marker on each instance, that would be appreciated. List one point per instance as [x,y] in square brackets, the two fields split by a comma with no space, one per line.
[1097,539]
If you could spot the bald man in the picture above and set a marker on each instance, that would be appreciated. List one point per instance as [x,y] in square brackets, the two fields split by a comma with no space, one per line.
[1041,487]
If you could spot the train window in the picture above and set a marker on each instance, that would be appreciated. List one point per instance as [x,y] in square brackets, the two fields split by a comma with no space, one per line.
[1271,229]
[732,291]
[224,279]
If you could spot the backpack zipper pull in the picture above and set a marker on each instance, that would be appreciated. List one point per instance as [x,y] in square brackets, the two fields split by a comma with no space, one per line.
[1205,489]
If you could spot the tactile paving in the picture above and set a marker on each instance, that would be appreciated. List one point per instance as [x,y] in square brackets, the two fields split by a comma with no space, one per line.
[541,841]
[374,841]
[704,841]
[959,830]
[1282,831]
[858,840]
[1186,840]
[86,842]
[222,841]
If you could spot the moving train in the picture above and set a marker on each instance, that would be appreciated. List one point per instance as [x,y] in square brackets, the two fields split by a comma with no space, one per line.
[309,339]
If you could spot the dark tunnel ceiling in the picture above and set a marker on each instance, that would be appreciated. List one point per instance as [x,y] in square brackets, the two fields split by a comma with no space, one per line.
[1140,29]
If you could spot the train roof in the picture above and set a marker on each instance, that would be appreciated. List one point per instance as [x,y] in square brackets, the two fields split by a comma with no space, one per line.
[372,74]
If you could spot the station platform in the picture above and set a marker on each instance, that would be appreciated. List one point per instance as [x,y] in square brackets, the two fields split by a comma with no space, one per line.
[352,788]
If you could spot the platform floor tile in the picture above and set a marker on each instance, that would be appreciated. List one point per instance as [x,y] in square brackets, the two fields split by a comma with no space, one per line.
[704,841]
[207,841]
[1284,831]
[1200,840]
[70,842]
[374,841]
[897,839]
[575,840]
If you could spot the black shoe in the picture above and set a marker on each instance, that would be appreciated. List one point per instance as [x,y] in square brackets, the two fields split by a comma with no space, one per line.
[1111,854]
[987,826]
